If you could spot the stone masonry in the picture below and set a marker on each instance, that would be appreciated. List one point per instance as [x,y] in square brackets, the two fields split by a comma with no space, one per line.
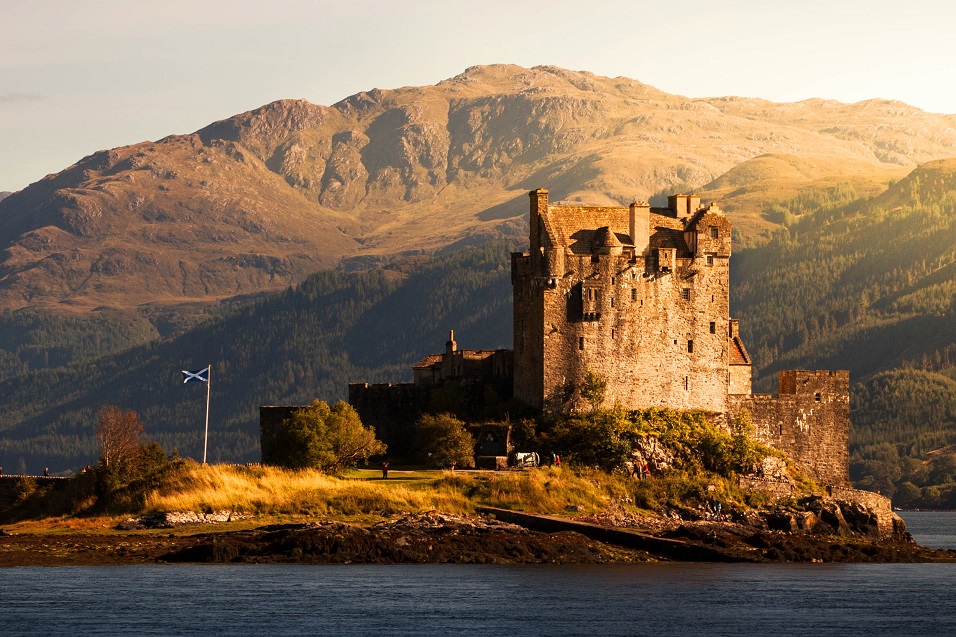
[641,297]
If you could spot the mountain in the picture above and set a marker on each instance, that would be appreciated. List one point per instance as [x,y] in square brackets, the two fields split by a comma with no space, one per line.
[258,201]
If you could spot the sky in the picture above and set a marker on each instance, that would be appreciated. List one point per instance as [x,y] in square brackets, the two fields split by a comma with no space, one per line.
[77,76]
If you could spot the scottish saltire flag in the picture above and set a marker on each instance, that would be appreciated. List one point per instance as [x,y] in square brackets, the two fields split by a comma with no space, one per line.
[202,376]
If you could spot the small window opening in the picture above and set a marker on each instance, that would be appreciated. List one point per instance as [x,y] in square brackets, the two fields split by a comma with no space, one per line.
[710,259]
[714,232]
[633,294]
[686,382]
[817,397]
[713,327]
[690,347]
[612,301]
[581,342]
[612,333]
[613,280]
[685,294]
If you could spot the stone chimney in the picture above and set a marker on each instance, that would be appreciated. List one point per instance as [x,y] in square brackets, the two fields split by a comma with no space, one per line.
[451,345]
[539,205]
[640,226]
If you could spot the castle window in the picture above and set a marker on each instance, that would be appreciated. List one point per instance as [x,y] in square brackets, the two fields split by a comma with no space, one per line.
[713,327]
[685,294]
[633,294]
[710,259]
[817,397]
[613,280]
[686,382]
[714,232]
[690,347]
[612,332]
[612,301]
[581,343]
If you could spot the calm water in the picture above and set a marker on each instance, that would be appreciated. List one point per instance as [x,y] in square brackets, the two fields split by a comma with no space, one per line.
[936,529]
[682,599]
[738,600]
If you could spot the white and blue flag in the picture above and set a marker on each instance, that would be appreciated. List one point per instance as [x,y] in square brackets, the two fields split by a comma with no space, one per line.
[202,376]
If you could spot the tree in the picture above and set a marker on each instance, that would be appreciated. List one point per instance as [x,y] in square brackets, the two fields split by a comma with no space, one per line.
[444,441]
[593,390]
[330,439]
[119,434]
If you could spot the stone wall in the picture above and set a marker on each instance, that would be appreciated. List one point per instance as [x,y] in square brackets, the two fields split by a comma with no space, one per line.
[394,410]
[11,486]
[809,420]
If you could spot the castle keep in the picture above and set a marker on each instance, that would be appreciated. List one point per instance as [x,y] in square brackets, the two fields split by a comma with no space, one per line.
[641,297]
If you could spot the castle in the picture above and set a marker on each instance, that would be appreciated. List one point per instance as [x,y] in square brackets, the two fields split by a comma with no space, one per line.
[641,297]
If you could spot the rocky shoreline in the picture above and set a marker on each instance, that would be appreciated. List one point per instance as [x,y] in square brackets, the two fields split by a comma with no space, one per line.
[441,538]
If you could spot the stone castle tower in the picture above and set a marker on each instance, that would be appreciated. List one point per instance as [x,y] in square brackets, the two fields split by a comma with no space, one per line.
[641,297]
[638,295]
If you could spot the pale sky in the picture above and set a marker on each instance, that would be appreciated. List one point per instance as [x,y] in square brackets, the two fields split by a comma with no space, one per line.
[77,76]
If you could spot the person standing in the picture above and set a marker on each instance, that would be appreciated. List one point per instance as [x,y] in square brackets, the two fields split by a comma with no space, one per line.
[384,471]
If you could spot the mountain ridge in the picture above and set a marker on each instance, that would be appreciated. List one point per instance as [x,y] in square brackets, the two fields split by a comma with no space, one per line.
[257,201]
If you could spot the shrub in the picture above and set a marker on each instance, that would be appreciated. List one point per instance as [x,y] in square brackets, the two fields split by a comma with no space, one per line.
[330,439]
[444,442]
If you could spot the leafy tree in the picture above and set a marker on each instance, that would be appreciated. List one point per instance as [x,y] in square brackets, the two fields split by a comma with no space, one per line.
[598,439]
[119,434]
[331,439]
[593,390]
[444,441]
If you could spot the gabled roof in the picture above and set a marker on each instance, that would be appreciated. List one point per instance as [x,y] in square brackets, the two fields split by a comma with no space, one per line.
[577,228]
[428,361]
[738,353]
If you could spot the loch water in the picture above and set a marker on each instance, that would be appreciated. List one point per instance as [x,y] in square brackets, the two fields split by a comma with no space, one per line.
[643,599]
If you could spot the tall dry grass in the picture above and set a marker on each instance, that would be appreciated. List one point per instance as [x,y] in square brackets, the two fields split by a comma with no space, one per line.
[275,491]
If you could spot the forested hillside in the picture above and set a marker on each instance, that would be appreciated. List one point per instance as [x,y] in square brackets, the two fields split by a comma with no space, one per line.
[308,342]
[869,286]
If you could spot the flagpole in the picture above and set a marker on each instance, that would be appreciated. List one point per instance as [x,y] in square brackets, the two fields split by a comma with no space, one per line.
[205,442]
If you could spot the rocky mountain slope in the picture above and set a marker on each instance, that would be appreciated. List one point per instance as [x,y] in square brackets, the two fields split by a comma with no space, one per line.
[259,200]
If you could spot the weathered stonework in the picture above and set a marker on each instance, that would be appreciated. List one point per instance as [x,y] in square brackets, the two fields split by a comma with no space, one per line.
[808,420]
[641,297]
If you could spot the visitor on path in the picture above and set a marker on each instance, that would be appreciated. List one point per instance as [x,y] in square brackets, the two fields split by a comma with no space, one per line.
[384,471]
[645,472]
[46,471]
